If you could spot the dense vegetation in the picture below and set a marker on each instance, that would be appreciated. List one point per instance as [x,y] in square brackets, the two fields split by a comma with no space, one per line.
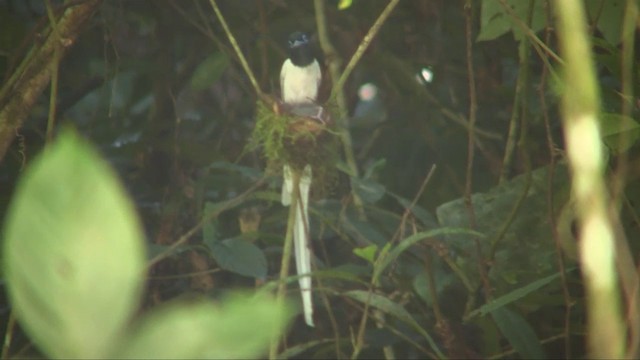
[445,227]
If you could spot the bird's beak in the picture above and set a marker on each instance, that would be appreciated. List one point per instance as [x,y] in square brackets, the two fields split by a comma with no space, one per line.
[297,43]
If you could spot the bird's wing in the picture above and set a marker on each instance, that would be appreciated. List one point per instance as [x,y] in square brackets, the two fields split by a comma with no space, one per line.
[283,72]
[318,74]
[302,245]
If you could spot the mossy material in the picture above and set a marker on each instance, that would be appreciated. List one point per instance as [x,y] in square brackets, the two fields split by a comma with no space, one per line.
[297,141]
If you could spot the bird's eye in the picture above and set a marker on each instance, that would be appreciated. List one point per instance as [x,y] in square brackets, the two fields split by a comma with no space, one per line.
[305,38]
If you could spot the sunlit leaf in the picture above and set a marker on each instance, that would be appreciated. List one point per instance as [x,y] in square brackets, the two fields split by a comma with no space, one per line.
[344,4]
[73,253]
[368,252]
[240,328]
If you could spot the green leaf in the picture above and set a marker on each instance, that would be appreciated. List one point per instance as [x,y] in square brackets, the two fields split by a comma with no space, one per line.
[612,123]
[519,333]
[210,70]
[413,239]
[344,4]
[394,309]
[368,253]
[73,253]
[239,256]
[614,126]
[609,16]
[363,230]
[374,168]
[515,295]
[241,328]
[369,190]
[426,218]
[493,21]
[293,352]
[382,303]
[210,229]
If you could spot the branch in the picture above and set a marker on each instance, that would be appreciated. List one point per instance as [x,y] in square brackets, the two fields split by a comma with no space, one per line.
[236,47]
[606,333]
[364,44]
[20,96]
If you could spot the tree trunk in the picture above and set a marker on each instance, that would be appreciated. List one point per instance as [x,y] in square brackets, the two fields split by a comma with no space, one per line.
[20,93]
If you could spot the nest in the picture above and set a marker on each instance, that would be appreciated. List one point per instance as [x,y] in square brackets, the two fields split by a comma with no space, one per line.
[297,135]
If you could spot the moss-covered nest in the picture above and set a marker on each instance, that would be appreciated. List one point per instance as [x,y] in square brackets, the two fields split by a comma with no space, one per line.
[297,140]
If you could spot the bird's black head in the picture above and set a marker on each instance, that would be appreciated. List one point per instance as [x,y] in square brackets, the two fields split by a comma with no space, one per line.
[300,51]
[298,39]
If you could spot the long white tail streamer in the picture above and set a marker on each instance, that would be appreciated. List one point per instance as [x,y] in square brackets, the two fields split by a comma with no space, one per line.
[301,235]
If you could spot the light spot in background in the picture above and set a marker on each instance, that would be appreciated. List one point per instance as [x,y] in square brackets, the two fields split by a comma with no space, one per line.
[367,92]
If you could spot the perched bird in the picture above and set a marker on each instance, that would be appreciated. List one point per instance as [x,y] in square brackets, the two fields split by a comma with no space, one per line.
[300,76]
[300,79]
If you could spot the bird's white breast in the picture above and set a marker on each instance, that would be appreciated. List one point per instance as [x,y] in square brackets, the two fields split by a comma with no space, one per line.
[299,85]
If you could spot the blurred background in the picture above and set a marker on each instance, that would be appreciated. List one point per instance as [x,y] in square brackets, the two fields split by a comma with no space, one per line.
[158,89]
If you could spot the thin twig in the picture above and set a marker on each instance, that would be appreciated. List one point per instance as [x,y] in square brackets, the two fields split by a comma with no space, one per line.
[527,30]
[286,254]
[566,296]
[55,66]
[335,65]
[408,210]
[8,336]
[236,47]
[364,44]
[205,219]
[473,109]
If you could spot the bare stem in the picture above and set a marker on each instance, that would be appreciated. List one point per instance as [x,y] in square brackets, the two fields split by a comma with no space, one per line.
[286,254]
[364,44]
[236,48]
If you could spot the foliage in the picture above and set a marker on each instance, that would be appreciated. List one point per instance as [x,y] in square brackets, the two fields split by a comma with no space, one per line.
[431,249]
[74,267]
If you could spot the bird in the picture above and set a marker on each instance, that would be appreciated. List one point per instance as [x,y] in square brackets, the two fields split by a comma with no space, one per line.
[300,80]
[300,76]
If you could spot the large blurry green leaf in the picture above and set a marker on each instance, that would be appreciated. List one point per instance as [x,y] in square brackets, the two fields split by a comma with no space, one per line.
[73,252]
[241,328]
[519,333]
